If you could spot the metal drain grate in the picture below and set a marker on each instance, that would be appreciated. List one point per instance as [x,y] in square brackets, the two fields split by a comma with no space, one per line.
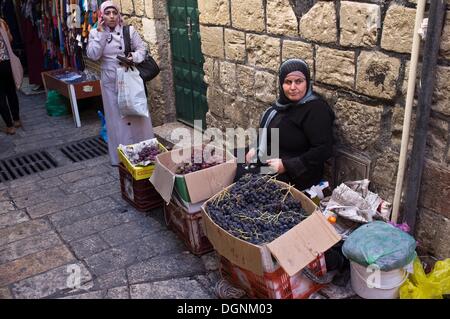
[85,149]
[23,165]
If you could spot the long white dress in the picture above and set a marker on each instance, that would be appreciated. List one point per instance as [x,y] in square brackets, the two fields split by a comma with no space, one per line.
[106,45]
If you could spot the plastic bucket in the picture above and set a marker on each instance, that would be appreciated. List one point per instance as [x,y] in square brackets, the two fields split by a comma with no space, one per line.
[371,284]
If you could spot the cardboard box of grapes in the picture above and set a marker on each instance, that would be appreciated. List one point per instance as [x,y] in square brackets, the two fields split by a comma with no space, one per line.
[139,158]
[196,172]
[284,241]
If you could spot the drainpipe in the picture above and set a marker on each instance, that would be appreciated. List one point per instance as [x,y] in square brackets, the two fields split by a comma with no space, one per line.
[408,109]
[429,65]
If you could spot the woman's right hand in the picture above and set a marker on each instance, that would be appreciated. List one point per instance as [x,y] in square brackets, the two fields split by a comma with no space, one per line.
[250,155]
[100,26]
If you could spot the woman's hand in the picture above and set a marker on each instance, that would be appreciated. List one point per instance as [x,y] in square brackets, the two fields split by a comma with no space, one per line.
[250,155]
[100,27]
[277,165]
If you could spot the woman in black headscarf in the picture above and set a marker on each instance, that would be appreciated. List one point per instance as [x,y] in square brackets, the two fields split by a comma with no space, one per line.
[304,121]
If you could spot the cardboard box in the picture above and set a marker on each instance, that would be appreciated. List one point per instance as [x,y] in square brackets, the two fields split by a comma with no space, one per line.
[199,185]
[293,250]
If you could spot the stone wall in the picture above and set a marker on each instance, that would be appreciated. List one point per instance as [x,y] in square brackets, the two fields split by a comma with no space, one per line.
[359,55]
[149,17]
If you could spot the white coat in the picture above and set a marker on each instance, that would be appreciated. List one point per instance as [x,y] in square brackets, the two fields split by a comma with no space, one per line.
[106,45]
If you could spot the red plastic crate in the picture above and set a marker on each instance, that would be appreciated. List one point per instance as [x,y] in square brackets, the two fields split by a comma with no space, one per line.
[189,227]
[138,193]
[274,285]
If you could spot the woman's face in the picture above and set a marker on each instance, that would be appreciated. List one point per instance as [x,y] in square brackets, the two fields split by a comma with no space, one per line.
[294,87]
[111,17]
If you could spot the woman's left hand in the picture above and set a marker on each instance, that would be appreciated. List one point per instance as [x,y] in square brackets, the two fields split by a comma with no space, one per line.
[277,165]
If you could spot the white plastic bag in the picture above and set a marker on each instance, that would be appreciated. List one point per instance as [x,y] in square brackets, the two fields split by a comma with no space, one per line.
[131,94]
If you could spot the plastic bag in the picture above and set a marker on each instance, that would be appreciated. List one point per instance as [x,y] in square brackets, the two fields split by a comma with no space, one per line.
[56,104]
[131,93]
[427,286]
[382,244]
[103,132]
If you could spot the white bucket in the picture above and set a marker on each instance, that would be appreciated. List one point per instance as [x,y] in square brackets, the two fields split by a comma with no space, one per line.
[371,284]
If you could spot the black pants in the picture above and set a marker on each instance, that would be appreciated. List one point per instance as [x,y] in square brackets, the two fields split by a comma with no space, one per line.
[9,103]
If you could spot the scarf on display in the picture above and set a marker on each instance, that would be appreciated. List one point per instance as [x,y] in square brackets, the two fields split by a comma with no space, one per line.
[283,103]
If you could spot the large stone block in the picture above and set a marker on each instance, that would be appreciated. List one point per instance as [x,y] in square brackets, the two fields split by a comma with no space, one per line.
[149,30]
[245,80]
[235,45]
[127,6]
[214,12]
[281,18]
[319,24]
[398,29]
[299,50]
[263,51]
[445,38]
[248,15]
[212,70]
[442,91]
[217,101]
[212,41]
[438,134]
[335,67]
[384,173]
[357,125]
[228,76]
[377,75]
[139,7]
[435,188]
[265,87]
[156,9]
[359,24]
[237,112]
[433,233]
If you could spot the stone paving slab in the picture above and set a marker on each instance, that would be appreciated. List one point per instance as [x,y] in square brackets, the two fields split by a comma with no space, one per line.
[28,246]
[23,230]
[86,183]
[89,246]
[57,204]
[165,267]
[34,264]
[113,279]
[39,196]
[130,253]
[56,281]
[5,293]
[104,190]
[181,288]
[12,218]
[84,173]
[85,211]
[6,206]
[29,189]
[130,232]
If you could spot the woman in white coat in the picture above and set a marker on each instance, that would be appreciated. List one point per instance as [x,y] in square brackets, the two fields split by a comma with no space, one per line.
[106,43]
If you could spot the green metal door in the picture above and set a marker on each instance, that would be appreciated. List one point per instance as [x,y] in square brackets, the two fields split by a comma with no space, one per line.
[190,90]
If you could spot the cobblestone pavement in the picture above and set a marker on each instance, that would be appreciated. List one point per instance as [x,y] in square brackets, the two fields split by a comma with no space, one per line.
[67,233]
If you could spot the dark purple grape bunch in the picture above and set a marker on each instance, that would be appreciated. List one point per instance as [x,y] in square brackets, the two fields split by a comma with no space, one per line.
[256,209]
[197,163]
[148,153]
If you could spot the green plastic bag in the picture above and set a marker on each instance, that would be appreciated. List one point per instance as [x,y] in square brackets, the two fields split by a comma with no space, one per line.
[382,244]
[427,286]
[56,104]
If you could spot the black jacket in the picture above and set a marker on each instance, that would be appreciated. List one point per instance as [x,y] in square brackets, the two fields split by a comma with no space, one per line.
[306,141]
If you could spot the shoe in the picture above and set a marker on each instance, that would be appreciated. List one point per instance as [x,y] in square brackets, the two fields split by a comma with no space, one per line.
[17,124]
[10,130]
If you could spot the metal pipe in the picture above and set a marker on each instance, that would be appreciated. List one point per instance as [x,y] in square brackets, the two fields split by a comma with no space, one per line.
[408,109]
[429,64]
